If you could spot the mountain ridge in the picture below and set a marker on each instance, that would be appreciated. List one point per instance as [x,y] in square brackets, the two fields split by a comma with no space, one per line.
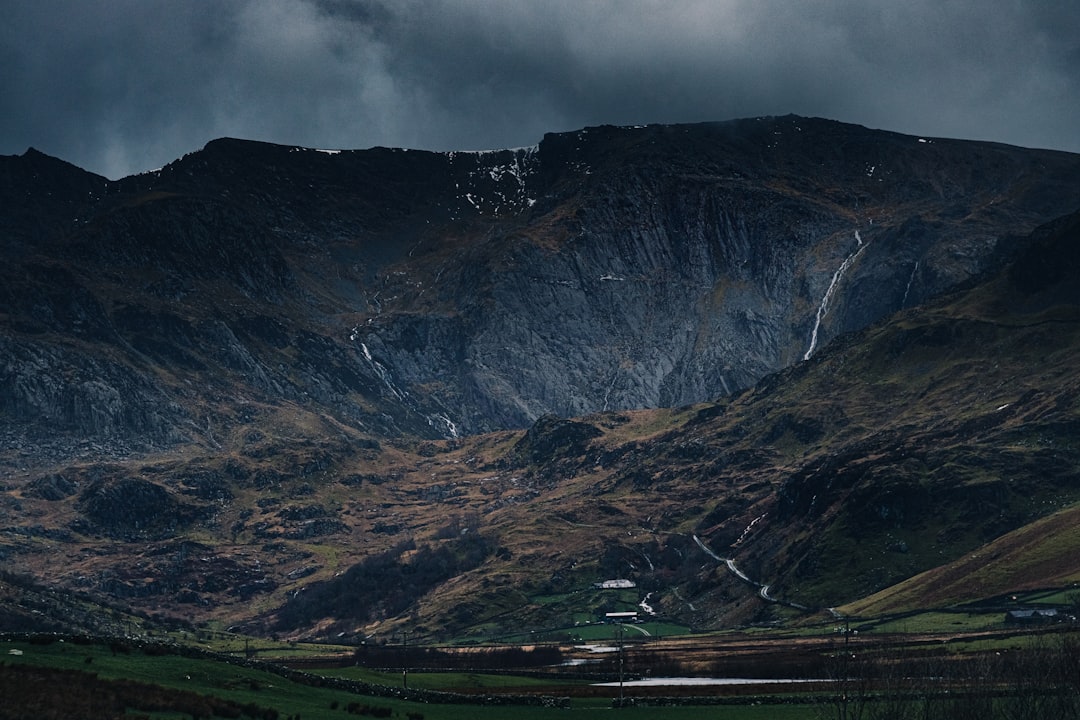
[691,234]
[315,363]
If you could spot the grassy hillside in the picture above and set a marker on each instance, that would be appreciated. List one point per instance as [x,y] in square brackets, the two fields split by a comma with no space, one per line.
[1040,555]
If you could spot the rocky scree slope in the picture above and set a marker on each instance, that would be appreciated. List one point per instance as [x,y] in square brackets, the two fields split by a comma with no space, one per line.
[410,293]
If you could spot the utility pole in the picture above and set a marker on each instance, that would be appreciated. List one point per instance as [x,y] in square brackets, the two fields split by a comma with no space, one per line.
[846,679]
[405,660]
[619,637]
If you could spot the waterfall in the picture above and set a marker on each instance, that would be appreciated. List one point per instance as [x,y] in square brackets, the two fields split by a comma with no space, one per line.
[823,308]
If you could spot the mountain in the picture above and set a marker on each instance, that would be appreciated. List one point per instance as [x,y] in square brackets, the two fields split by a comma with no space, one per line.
[288,387]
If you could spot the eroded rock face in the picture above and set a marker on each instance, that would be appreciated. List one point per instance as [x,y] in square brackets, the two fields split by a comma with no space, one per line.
[437,294]
[57,389]
[663,266]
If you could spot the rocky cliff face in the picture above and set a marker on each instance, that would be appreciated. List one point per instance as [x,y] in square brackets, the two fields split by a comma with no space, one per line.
[439,294]
[659,266]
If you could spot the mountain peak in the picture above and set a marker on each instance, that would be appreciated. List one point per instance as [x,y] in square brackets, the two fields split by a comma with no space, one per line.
[34,161]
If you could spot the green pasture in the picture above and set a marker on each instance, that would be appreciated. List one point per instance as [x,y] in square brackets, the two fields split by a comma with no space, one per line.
[245,685]
[933,622]
[448,681]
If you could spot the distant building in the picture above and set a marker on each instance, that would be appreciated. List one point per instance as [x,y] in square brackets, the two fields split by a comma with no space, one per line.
[1033,616]
[620,617]
[621,584]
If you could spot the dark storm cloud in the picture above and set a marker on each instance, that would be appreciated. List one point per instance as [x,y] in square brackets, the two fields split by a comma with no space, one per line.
[119,86]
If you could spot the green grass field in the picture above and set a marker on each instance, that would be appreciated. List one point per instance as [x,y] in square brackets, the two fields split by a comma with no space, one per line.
[935,622]
[245,685]
[447,681]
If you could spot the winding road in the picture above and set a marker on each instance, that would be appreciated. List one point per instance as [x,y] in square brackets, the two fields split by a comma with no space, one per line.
[763,589]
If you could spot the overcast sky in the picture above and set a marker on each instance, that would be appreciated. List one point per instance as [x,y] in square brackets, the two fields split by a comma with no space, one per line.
[123,86]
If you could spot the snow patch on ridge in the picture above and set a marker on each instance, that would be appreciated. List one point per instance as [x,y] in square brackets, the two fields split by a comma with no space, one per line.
[498,181]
